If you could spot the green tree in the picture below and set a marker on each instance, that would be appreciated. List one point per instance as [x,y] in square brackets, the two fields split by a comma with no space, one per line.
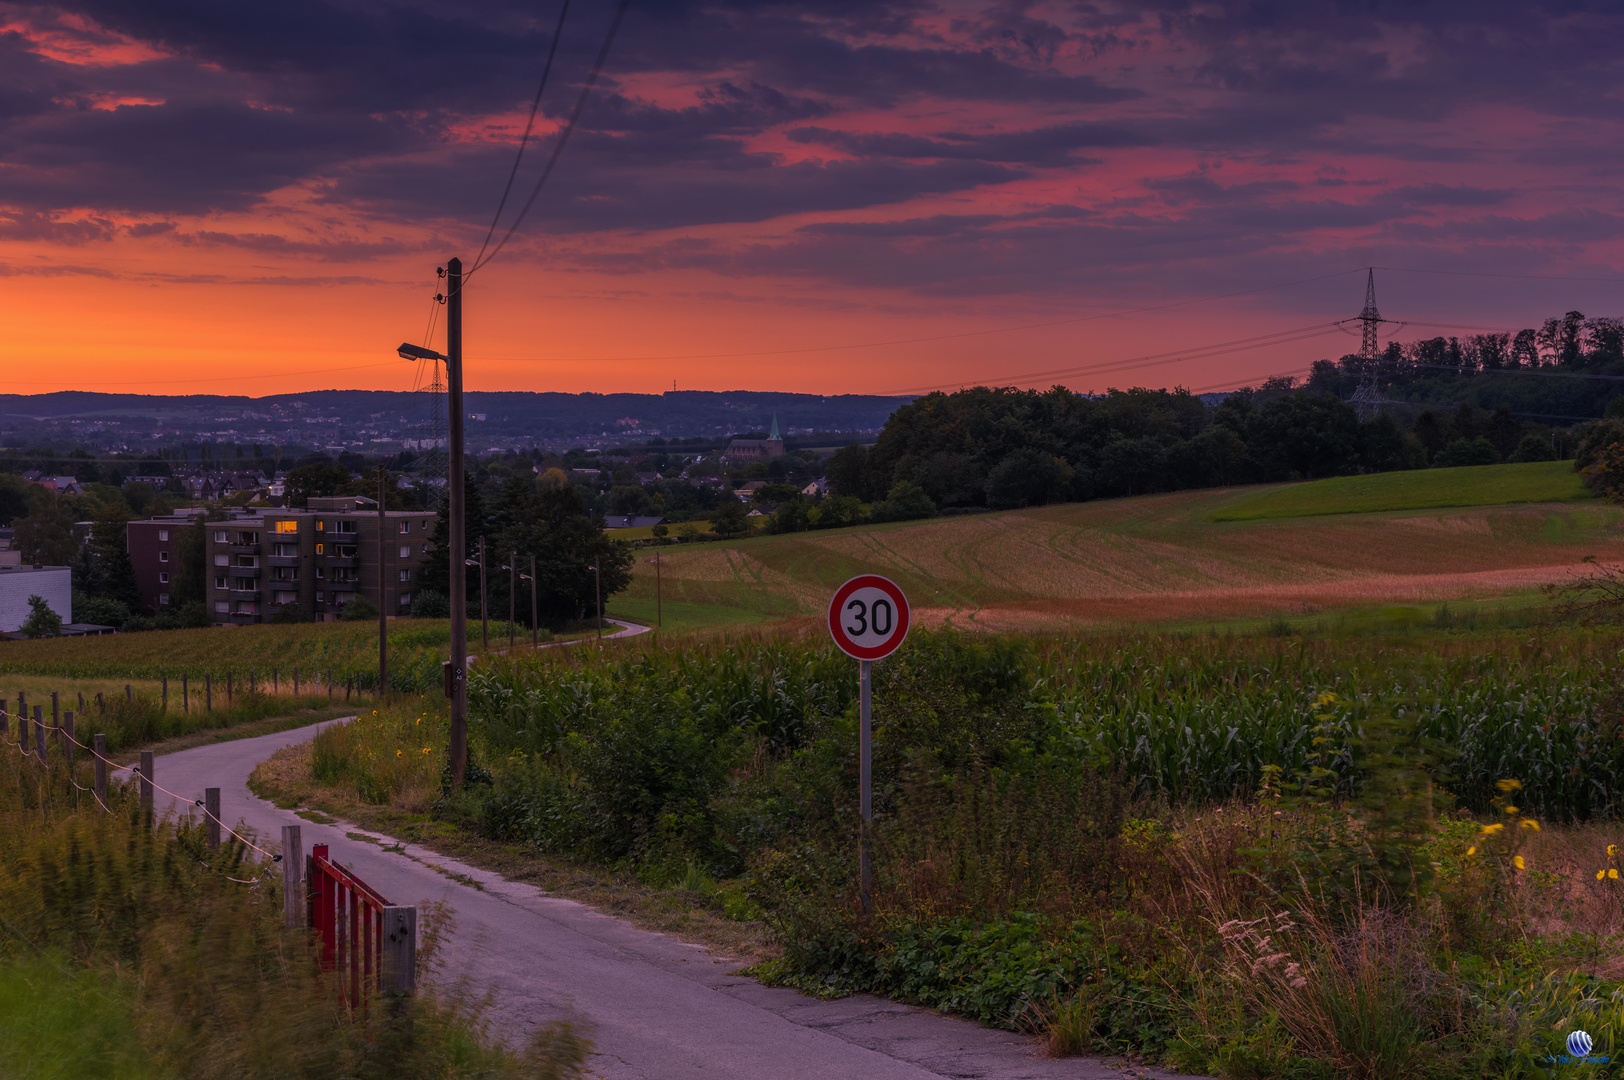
[13,497]
[435,572]
[847,471]
[191,583]
[907,501]
[45,536]
[359,609]
[554,527]
[319,479]
[1478,451]
[41,621]
[729,519]
[1533,448]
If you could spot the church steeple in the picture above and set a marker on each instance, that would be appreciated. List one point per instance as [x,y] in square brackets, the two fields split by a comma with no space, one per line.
[774,433]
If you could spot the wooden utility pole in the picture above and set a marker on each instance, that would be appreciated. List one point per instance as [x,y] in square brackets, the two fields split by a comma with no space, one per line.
[484,602]
[383,591]
[535,627]
[513,592]
[659,619]
[597,582]
[459,541]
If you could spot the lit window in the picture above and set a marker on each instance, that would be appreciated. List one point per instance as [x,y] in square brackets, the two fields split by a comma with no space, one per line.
[320,547]
[163,556]
[287,526]
[405,551]
[319,525]
[163,579]
[163,534]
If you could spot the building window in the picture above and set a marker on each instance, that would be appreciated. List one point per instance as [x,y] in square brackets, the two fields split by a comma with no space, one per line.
[287,526]
[163,556]
[404,528]
[346,526]
[219,536]
[163,599]
[319,596]
[222,560]
[320,548]
[423,524]
[221,607]
[405,551]
[425,549]
[321,572]
[405,575]
[219,581]
[163,579]
[163,534]
[405,599]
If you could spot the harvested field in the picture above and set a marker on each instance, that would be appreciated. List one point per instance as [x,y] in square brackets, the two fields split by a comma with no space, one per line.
[1422,489]
[1151,559]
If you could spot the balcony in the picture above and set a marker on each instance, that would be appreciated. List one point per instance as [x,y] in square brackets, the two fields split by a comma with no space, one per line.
[343,562]
[282,560]
[244,617]
[245,594]
[241,571]
[244,549]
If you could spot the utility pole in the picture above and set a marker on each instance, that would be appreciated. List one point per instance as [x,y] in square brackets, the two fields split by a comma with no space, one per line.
[459,543]
[383,590]
[513,592]
[658,620]
[1367,399]
[597,582]
[484,602]
[535,627]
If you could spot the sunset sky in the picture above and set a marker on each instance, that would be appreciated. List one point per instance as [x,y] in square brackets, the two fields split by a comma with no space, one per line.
[836,196]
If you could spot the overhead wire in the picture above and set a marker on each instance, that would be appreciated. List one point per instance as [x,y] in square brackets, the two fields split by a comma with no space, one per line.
[560,143]
[529,126]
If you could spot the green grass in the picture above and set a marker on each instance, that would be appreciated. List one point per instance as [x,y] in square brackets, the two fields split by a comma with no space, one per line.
[61,1023]
[678,615]
[1421,489]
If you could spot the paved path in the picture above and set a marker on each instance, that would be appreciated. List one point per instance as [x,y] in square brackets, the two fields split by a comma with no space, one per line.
[658,1009]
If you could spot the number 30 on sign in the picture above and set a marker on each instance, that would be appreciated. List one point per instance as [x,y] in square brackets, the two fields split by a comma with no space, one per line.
[868,617]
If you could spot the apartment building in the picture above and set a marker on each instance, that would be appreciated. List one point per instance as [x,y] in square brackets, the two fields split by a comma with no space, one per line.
[319,558]
[153,552]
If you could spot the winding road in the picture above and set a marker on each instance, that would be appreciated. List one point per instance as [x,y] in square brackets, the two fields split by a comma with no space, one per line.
[657,1009]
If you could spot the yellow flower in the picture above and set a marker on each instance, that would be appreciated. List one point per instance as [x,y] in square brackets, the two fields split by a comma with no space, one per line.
[1517,861]
[1472,850]
[1612,849]
[1490,830]
[425,749]
[1508,786]
[1600,874]
[1529,823]
[397,753]
[1612,873]
[1511,809]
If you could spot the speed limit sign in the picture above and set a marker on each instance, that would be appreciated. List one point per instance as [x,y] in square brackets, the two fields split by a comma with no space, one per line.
[868,617]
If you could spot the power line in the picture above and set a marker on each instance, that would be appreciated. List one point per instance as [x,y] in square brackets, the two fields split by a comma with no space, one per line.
[529,125]
[1511,277]
[562,141]
[189,382]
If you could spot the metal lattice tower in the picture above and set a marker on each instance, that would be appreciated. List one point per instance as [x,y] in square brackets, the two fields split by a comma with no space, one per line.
[1367,398]
[433,462]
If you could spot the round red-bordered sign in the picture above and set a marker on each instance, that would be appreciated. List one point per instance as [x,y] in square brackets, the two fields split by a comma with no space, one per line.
[868,617]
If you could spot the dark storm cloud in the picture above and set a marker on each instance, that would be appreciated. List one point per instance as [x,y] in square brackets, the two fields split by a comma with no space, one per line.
[371,105]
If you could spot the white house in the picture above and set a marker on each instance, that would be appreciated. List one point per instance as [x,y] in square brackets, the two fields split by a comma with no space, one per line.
[18,583]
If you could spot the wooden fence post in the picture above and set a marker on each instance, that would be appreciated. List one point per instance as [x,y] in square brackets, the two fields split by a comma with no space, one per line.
[211,811]
[276,681]
[397,967]
[101,703]
[146,782]
[329,684]
[100,745]
[349,684]
[295,680]
[39,733]
[22,725]
[293,907]
[166,691]
[185,698]
[56,718]
[208,691]
[67,743]
[129,695]
[81,701]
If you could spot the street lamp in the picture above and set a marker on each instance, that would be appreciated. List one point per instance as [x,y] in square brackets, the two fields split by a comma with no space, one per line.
[452,358]
[484,597]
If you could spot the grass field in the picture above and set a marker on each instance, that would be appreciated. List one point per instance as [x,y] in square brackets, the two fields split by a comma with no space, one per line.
[1167,558]
[1423,489]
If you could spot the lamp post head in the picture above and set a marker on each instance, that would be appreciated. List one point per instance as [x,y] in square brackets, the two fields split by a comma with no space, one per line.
[408,351]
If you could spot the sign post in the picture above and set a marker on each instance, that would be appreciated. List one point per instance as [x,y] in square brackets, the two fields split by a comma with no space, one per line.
[868,618]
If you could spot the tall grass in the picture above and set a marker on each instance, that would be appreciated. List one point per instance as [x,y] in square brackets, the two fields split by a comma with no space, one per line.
[130,948]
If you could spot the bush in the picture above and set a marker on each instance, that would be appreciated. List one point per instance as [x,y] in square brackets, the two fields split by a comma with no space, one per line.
[1478,451]
[359,609]
[1533,448]
[428,604]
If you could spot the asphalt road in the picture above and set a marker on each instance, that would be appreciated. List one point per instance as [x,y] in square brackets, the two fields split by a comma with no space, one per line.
[658,1009]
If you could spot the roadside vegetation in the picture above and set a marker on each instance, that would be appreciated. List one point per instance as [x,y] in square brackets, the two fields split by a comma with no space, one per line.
[1254,855]
[131,952]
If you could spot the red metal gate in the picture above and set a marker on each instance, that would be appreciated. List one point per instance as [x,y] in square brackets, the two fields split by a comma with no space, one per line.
[347,914]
